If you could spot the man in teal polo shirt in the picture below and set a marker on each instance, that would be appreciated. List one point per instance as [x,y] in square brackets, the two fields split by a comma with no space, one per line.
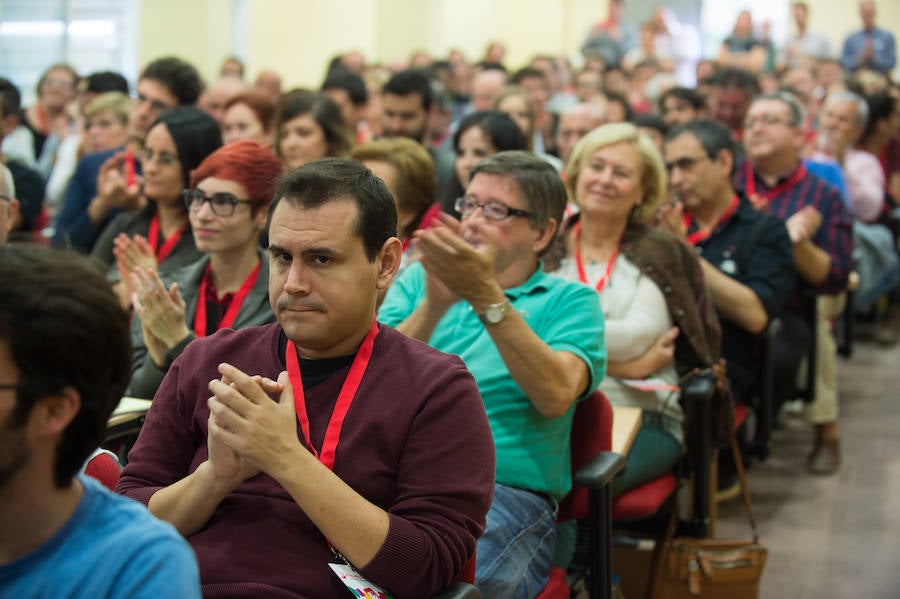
[534,344]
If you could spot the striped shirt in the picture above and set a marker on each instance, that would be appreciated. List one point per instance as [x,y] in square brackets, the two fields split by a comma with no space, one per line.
[834,235]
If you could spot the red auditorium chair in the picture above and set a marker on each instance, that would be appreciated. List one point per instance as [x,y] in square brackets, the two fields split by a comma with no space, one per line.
[103,466]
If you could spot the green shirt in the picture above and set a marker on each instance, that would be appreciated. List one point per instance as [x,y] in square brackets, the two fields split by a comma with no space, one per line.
[532,450]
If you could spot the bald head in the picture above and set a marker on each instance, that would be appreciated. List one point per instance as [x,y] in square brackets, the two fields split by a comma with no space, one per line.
[574,124]
[213,99]
[486,87]
[269,84]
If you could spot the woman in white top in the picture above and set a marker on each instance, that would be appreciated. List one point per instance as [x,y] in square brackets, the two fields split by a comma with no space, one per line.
[648,282]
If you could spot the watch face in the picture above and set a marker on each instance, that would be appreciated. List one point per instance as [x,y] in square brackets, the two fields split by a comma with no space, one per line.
[493,314]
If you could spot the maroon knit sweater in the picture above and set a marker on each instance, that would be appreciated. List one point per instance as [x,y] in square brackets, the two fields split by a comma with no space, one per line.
[416,442]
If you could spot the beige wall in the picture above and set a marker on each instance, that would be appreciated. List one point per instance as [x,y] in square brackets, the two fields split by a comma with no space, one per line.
[297,37]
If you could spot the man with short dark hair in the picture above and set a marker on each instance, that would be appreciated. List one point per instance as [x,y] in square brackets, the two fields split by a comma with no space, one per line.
[732,91]
[406,104]
[391,468]
[164,84]
[776,181]
[679,105]
[745,255]
[533,342]
[64,363]
[348,90]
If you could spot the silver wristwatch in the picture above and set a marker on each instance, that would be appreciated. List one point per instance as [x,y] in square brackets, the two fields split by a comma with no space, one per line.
[495,313]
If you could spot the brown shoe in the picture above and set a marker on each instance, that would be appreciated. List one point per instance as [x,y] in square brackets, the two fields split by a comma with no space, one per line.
[825,457]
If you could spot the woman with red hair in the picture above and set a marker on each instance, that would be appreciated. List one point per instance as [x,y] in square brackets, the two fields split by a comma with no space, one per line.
[248,115]
[227,203]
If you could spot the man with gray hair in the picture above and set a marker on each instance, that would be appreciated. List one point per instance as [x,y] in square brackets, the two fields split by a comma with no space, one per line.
[574,124]
[533,342]
[842,123]
[776,181]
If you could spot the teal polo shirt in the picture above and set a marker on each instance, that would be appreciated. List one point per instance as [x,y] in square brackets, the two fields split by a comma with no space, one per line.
[532,450]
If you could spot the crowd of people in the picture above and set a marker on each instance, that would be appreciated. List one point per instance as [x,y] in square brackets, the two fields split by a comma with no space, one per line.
[366,311]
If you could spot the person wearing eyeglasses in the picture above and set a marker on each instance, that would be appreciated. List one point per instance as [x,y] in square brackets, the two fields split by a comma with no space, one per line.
[776,181]
[227,288]
[84,214]
[746,256]
[155,234]
[533,342]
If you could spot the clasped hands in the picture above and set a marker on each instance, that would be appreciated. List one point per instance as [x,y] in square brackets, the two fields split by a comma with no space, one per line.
[250,433]
[162,313]
[458,267]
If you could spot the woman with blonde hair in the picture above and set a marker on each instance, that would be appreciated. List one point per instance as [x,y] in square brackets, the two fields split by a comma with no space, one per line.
[408,172]
[648,282]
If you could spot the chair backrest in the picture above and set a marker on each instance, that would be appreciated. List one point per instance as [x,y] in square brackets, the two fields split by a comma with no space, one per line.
[591,434]
[103,466]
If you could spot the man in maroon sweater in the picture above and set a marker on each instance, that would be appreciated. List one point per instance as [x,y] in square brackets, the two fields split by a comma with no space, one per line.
[392,466]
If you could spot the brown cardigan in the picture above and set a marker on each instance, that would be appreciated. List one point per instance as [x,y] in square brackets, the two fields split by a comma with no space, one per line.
[675,269]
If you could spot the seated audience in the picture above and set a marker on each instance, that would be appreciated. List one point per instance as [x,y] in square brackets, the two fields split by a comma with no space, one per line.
[574,124]
[226,201]
[28,182]
[534,344]
[678,105]
[406,102]
[775,180]
[63,366]
[248,115]
[9,205]
[746,256]
[407,171]
[380,495]
[348,90]
[516,102]
[308,127]
[609,247]
[479,135]
[164,84]
[105,128]
[156,235]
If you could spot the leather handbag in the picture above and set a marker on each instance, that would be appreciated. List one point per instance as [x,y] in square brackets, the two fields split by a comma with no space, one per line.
[691,568]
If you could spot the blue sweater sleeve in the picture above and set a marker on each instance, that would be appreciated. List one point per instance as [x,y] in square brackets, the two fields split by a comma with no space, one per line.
[74,228]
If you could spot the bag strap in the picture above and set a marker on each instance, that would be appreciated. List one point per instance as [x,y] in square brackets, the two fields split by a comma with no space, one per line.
[745,489]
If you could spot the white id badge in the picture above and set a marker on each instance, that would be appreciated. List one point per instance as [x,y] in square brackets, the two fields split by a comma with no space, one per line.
[359,586]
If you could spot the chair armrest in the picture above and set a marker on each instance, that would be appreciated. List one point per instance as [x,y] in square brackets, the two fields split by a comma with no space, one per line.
[600,471]
[459,590]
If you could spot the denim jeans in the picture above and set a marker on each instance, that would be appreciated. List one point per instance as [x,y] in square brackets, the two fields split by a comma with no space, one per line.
[515,552]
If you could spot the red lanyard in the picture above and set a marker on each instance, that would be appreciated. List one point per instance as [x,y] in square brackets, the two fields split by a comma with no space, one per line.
[750,183]
[345,397]
[168,244]
[698,236]
[582,275]
[427,219]
[200,324]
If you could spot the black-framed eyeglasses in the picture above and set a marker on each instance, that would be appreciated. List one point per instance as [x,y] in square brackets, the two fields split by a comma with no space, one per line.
[685,164]
[492,209]
[222,203]
[5,198]
[9,386]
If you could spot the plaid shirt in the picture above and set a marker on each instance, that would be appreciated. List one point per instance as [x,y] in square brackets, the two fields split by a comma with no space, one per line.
[834,235]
